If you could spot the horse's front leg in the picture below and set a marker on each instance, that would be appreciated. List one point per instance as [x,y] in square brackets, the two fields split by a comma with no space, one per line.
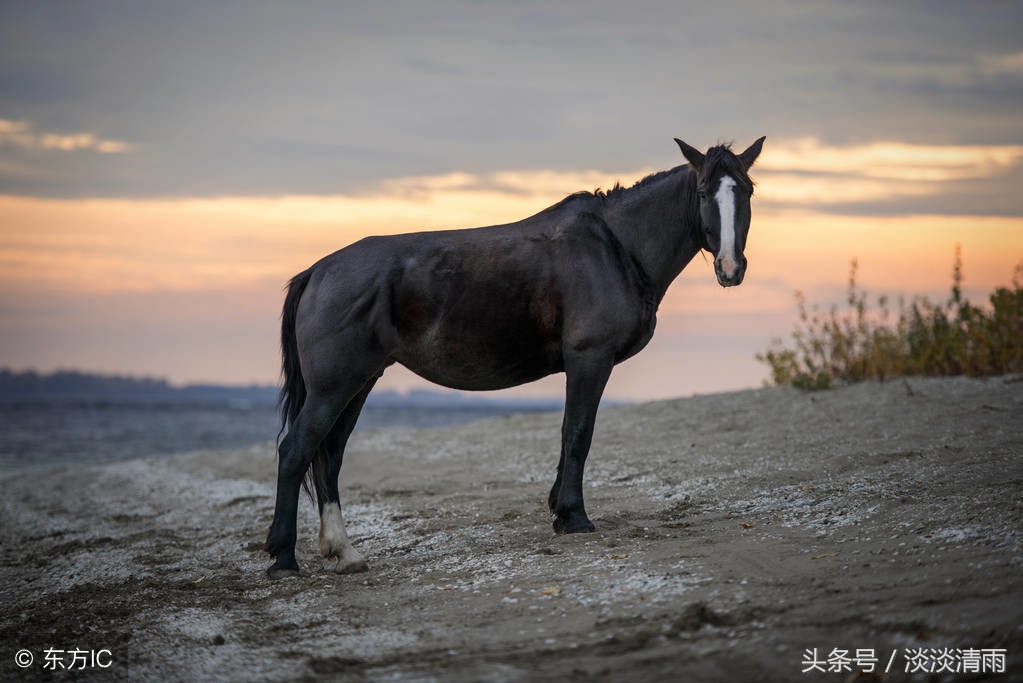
[586,375]
[552,498]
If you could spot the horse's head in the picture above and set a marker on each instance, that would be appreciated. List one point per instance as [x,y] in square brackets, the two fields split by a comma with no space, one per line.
[724,188]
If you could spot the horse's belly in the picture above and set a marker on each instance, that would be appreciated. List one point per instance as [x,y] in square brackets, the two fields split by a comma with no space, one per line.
[476,379]
[473,363]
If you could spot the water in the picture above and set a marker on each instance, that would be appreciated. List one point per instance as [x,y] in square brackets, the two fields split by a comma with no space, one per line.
[41,434]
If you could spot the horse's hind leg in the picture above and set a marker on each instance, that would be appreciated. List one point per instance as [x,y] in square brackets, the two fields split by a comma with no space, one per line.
[312,425]
[325,401]
[333,541]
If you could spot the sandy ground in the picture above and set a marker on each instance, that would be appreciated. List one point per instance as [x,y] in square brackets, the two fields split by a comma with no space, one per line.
[734,533]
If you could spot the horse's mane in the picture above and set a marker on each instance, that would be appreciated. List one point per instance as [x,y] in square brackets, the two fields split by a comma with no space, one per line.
[618,190]
[719,159]
[600,196]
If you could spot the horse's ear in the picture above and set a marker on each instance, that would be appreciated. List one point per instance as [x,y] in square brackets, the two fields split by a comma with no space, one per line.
[752,152]
[692,155]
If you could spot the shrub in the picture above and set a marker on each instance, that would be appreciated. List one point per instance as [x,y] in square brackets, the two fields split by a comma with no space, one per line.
[858,343]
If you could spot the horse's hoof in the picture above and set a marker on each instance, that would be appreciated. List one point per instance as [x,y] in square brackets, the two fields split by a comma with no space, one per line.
[573,526]
[350,567]
[279,570]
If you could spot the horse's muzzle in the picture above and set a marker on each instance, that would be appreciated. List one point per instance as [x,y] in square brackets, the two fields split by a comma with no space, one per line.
[726,279]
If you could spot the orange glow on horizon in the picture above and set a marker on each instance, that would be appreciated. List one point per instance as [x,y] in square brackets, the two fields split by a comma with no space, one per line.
[138,246]
[79,277]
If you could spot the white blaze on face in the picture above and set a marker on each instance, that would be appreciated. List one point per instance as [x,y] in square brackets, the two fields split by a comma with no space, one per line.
[726,210]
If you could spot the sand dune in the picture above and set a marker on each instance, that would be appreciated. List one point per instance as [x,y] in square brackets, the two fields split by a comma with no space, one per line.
[735,532]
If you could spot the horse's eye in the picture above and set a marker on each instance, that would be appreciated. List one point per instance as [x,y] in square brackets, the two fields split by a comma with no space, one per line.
[703,195]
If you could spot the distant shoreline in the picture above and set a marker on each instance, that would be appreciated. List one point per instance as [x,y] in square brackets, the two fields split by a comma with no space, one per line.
[77,387]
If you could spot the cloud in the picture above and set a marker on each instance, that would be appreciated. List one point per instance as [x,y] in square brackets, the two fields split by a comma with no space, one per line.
[808,170]
[798,173]
[1010,64]
[23,134]
[335,99]
[892,160]
[546,184]
[979,73]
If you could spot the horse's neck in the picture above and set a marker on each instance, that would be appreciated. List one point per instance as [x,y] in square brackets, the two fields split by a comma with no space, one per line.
[656,228]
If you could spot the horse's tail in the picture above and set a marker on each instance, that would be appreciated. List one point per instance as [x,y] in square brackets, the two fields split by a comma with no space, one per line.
[292,395]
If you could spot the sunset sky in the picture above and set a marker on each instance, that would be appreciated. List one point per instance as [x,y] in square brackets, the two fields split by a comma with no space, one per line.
[165,168]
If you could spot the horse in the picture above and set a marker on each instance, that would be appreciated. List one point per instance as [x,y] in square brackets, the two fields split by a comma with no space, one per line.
[573,289]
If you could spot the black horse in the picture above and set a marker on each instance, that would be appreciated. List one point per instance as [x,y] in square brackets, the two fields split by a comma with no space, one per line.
[573,289]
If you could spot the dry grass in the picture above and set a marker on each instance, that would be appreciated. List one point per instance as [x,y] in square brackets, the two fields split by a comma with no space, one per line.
[861,342]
